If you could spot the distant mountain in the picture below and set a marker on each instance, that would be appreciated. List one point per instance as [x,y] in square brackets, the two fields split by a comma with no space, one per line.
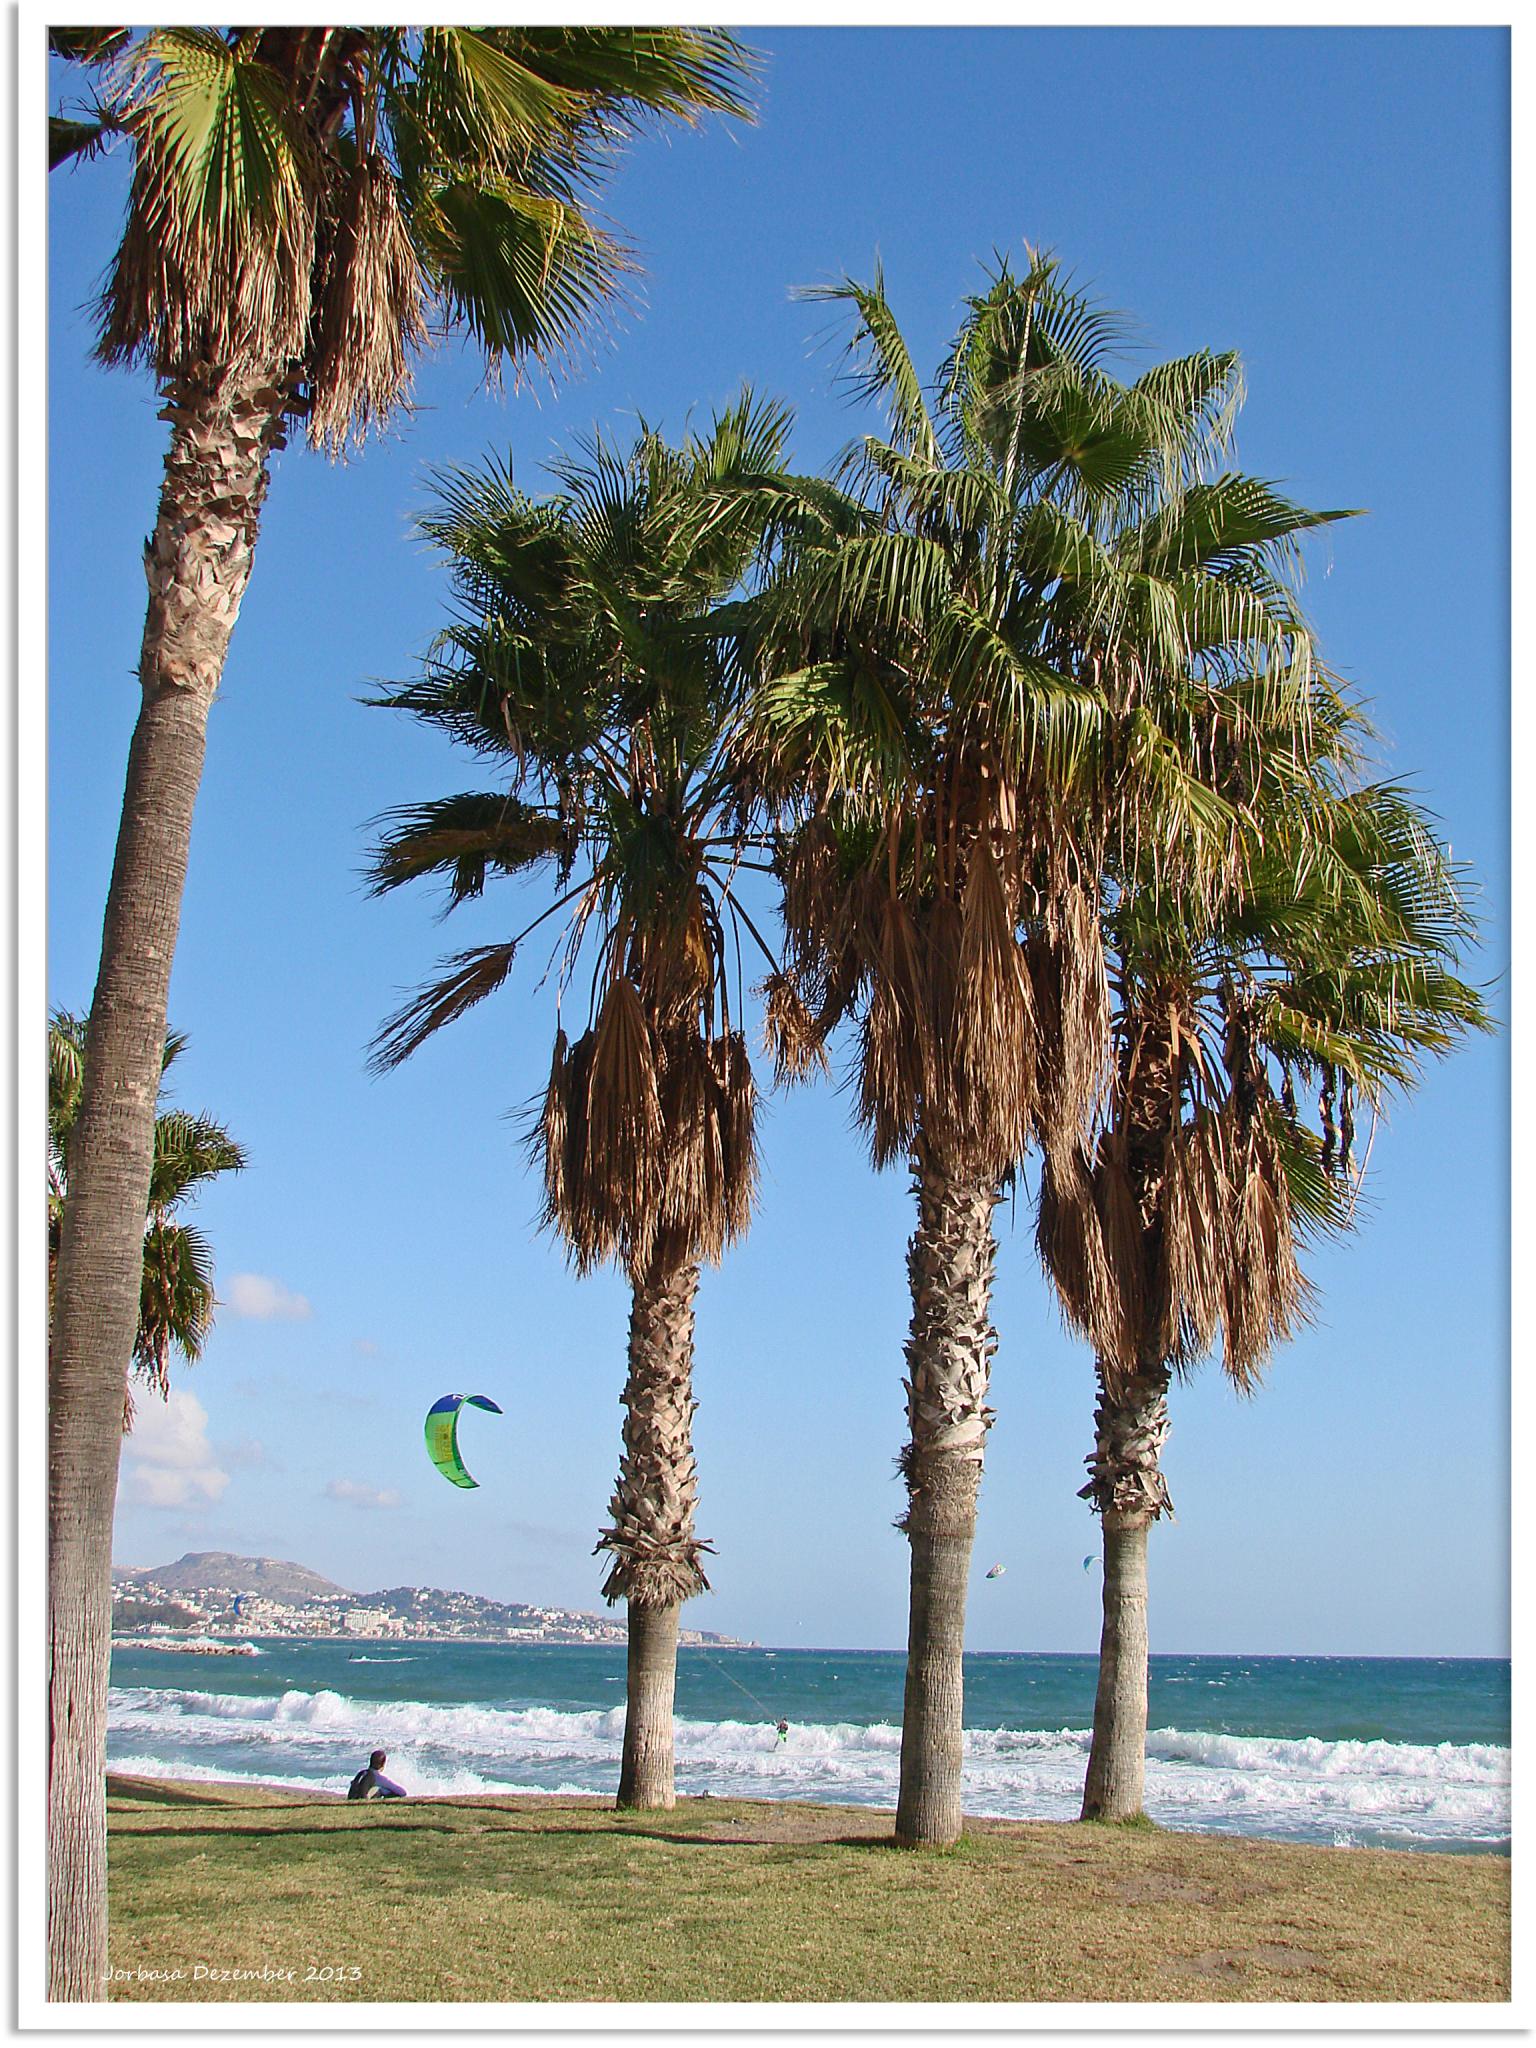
[422,1608]
[220,1571]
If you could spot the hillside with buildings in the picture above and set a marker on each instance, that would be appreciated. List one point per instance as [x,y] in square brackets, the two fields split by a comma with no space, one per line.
[213,1593]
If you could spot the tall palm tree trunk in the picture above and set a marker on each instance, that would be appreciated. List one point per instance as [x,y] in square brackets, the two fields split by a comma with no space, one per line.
[655,1552]
[1129,1491]
[198,563]
[949,1356]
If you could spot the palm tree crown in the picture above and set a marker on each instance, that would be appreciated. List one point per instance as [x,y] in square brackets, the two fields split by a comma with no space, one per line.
[943,651]
[586,665]
[1327,953]
[305,200]
[177,1298]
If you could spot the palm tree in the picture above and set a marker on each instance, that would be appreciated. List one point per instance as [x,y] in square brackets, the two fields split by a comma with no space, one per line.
[305,204]
[586,665]
[1326,953]
[176,1298]
[940,649]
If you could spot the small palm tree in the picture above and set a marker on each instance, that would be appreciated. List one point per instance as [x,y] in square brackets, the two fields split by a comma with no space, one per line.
[1326,955]
[587,665]
[306,206]
[941,652]
[176,1298]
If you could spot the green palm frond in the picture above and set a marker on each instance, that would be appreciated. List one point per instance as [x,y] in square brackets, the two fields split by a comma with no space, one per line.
[1214,526]
[877,363]
[840,724]
[176,1291]
[66,1072]
[1187,411]
[176,1301]
[637,76]
[466,838]
[218,126]
[523,270]
[71,140]
[189,1151]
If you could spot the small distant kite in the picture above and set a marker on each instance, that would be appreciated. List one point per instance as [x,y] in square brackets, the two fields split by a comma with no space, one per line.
[443,1434]
[997,1571]
[239,1603]
[1090,1562]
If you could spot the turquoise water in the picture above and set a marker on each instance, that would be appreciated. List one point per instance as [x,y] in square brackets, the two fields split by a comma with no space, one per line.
[1396,1752]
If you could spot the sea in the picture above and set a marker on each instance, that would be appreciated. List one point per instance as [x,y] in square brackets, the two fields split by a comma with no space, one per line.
[1398,1753]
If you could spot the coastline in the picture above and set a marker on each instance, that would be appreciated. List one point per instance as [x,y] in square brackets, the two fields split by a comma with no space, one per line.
[520,1642]
[1288,1751]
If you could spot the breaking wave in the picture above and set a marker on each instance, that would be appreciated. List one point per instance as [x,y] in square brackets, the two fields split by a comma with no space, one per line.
[1393,1794]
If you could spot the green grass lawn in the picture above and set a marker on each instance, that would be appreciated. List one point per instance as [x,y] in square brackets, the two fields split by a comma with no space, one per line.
[561,1899]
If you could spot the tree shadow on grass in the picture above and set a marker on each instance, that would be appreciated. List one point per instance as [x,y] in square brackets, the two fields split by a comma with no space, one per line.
[143,1793]
[730,1841]
[164,1792]
[216,1834]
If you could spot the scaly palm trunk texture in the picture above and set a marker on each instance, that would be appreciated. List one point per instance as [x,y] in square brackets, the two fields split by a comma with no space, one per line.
[1129,1491]
[949,1357]
[198,563]
[655,1552]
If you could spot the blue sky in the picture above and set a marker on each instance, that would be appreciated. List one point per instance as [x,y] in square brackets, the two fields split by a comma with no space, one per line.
[1333,204]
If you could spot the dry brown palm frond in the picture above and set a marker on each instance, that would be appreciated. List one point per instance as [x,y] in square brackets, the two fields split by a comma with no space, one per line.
[790,1032]
[895,1066]
[574,1199]
[1265,1295]
[370,302]
[737,1114]
[550,1137]
[1085,1033]
[1206,1190]
[691,1169]
[473,976]
[1064,958]
[996,1027]
[1249,1275]
[1059,1113]
[1071,1240]
[1120,1335]
[1189,1250]
[889,1076]
[623,1120]
[941,926]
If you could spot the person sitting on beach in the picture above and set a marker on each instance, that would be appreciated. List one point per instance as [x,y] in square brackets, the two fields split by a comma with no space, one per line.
[372,1784]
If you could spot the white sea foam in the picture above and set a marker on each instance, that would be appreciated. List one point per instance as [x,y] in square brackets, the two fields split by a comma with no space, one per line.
[1445,1794]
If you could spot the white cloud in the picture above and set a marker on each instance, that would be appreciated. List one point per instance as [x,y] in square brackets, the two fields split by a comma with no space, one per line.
[356,1495]
[265,1300]
[168,1461]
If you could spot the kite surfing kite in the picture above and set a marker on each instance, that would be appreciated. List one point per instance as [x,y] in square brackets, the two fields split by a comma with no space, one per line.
[1090,1562]
[443,1434]
[997,1571]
